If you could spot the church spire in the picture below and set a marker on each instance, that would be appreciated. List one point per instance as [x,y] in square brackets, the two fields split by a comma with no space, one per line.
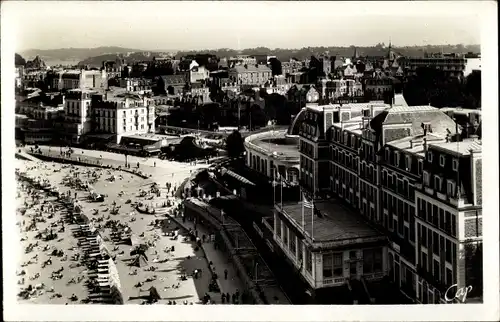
[390,53]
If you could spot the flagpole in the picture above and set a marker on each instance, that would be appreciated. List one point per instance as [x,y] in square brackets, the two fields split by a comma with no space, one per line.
[312,202]
[274,189]
[281,184]
[303,217]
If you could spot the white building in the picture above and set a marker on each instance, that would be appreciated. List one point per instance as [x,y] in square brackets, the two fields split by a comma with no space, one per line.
[472,64]
[121,113]
[197,73]
[77,114]
[73,79]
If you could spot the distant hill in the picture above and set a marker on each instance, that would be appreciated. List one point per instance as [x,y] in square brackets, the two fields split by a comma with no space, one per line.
[130,57]
[74,54]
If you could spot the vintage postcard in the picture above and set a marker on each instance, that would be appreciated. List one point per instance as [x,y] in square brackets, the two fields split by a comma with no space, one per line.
[250,160]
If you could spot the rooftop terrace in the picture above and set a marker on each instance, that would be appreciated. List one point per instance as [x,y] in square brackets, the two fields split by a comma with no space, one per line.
[337,223]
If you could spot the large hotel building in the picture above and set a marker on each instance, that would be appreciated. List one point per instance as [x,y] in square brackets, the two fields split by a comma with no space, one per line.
[396,194]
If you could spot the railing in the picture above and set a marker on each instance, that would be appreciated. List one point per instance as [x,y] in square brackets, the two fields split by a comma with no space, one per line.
[373,276]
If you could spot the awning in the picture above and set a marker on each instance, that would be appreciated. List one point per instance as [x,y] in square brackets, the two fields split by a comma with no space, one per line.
[242,179]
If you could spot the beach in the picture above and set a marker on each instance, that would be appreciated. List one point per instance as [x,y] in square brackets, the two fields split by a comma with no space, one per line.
[127,200]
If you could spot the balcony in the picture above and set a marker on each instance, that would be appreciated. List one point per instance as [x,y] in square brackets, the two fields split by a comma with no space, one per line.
[373,276]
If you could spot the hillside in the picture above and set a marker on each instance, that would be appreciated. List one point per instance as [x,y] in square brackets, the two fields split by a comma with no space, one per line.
[73,54]
[130,57]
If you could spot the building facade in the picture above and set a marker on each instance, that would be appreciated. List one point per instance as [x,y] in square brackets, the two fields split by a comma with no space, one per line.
[451,65]
[77,114]
[122,114]
[398,167]
[250,74]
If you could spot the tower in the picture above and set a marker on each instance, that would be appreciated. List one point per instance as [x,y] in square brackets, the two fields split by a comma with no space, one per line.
[356,54]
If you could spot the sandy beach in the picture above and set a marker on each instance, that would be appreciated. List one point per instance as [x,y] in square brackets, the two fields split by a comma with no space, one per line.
[170,258]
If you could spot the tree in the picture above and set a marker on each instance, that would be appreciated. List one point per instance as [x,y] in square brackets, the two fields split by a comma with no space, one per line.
[20,61]
[234,144]
[275,66]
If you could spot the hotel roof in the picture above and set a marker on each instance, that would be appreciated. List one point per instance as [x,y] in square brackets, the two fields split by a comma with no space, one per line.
[440,122]
[418,147]
[276,142]
[461,148]
[337,222]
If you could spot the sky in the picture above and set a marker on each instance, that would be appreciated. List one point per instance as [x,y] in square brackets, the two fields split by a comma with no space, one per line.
[193,25]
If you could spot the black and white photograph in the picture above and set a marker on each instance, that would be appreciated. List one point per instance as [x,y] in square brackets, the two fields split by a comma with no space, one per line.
[256,160]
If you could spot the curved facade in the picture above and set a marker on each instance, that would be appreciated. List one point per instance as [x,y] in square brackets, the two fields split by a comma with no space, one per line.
[293,129]
[274,153]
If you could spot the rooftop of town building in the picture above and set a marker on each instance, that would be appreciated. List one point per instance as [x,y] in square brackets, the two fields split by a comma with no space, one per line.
[336,223]
[464,147]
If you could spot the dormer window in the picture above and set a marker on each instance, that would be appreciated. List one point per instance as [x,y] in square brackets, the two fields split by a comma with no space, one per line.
[442,160]
[454,164]
[429,156]
[396,159]
[387,154]
[450,188]
[420,167]
[408,163]
[437,183]
[345,138]
[427,178]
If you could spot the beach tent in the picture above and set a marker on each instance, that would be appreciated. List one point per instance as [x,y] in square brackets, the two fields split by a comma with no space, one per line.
[133,240]
[154,296]
[139,261]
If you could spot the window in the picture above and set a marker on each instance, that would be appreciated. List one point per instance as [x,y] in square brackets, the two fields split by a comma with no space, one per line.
[437,183]
[309,260]
[453,225]
[448,251]
[435,215]
[396,159]
[420,167]
[436,270]
[278,227]
[447,224]
[423,237]
[441,219]
[442,160]
[424,261]
[327,265]
[387,154]
[293,243]
[435,243]
[450,188]
[449,277]
[429,156]
[412,228]
[427,178]
[300,256]
[408,163]
[454,165]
